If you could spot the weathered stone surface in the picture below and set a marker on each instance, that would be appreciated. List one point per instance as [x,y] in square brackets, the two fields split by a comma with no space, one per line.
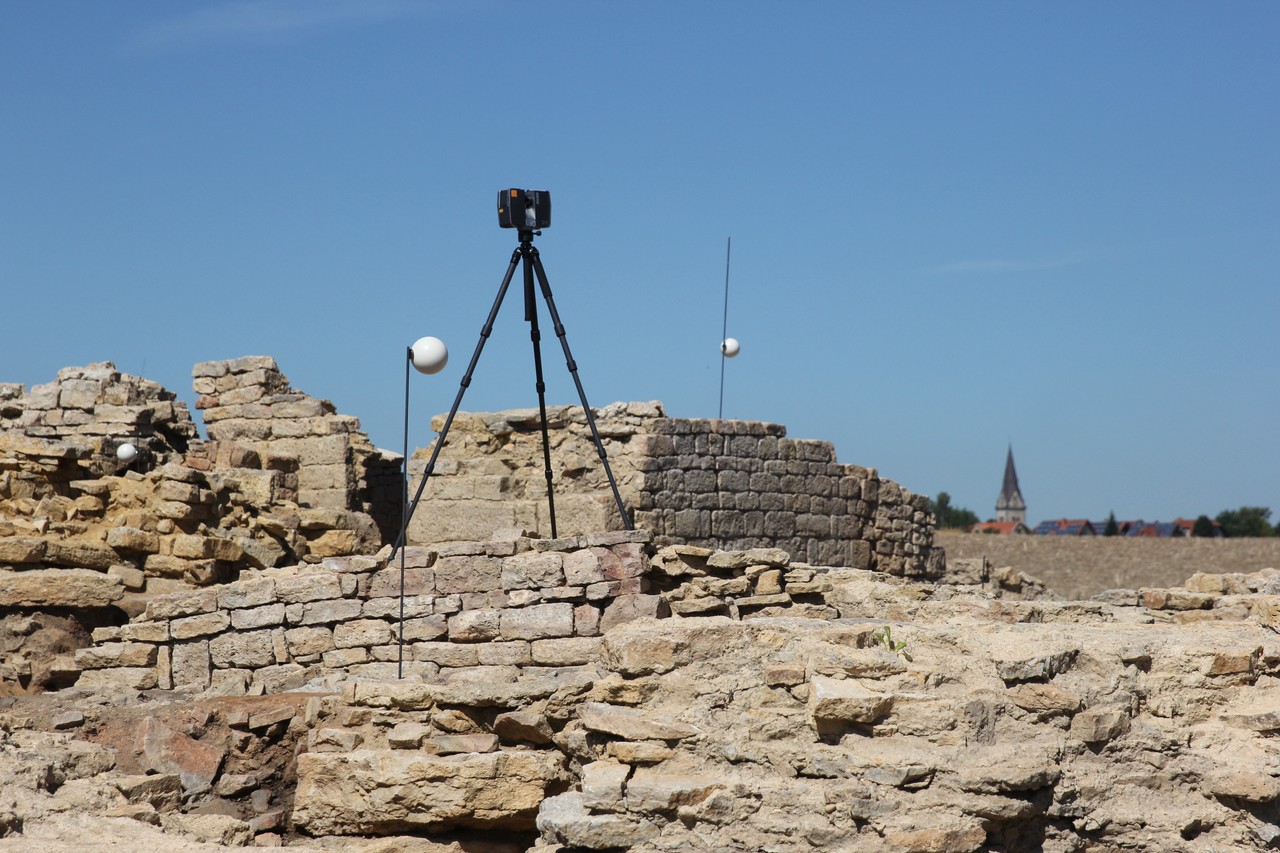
[58,588]
[630,724]
[380,791]
[834,701]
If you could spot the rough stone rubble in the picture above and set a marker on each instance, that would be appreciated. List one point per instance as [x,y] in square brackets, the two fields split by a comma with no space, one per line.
[602,691]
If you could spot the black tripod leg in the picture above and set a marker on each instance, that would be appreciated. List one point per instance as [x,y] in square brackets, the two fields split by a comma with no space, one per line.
[582,395]
[531,314]
[457,401]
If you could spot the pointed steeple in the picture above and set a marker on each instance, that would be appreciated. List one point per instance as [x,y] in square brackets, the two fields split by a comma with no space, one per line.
[1011,506]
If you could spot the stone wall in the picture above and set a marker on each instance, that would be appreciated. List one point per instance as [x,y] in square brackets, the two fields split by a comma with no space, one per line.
[498,609]
[732,485]
[248,401]
[900,715]
[98,407]
[256,494]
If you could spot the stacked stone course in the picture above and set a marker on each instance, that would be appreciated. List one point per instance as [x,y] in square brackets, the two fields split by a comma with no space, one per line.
[732,485]
[502,609]
[248,402]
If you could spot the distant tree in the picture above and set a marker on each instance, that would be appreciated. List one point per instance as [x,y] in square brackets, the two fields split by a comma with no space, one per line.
[1204,527]
[948,517]
[1246,521]
[1112,529]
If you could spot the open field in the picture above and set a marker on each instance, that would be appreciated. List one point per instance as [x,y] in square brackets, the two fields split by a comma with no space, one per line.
[1081,566]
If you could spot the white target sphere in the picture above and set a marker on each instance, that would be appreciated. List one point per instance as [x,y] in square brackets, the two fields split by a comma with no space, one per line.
[430,355]
[730,347]
[126,452]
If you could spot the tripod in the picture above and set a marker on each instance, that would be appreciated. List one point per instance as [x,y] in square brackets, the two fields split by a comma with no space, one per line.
[532,266]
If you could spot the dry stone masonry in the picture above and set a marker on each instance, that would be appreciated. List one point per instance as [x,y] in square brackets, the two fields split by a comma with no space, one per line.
[202,650]
[499,610]
[722,484]
[808,708]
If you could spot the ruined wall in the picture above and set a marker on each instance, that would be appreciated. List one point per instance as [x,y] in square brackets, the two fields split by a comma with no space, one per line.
[499,609]
[715,483]
[257,493]
[248,401]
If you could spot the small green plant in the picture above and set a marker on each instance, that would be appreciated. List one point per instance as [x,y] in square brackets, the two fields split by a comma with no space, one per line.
[885,638]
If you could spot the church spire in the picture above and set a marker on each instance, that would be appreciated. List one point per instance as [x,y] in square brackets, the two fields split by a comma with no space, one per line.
[1011,506]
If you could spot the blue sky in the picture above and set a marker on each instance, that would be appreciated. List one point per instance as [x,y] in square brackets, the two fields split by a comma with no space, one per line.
[955,225]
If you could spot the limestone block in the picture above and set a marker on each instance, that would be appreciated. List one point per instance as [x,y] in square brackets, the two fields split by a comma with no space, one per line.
[257,617]
[446,654]
[652,790]
[1044,697]
[335,740]
[471,626]
[106,655]
[472,573]
[334,543]
[463,743]
[586,621]
[133,579]
[537,622]
[172,605]
[533,570]
[309,641]
[386,583]
[407,735]
[342,658]
[628,608]
[839,702]
[569,651]
[583,567]
[631,724]
[564,819]
[162,791]
[143,632]
[79,394]
[1097,726]
[523,727]
[253,592]
[389,791]
[323,612]
[424,628]
[58,588]
[308,587]
[201,625]
[127,677]
[80,554]
[639,751]
[361,632]
[1037,668]
[515,653]
[251,649]
[190,665]
[133,539]
[1176,599]
[21,549]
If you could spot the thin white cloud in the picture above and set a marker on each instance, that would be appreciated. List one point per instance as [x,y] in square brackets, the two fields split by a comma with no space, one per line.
[271,20]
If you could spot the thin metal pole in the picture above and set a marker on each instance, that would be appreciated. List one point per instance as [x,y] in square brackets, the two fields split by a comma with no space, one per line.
[531,315]
[485,331]
[404,505]
[724,333]
[545,287]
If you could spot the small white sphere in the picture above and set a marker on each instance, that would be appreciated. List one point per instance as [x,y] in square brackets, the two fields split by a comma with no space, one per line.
[730,347]
[430,355]
[126,453]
